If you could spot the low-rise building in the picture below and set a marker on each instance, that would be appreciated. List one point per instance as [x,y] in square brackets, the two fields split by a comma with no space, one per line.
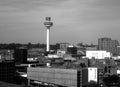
[62,77]
[98,54]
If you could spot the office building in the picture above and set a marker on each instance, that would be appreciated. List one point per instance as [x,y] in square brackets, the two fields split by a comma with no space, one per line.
[20,56]
[61,53]
[7,71]
[63,46]
[109,45]
[89,74]
[118,49]
[98,54]
[62,77]
[71,50]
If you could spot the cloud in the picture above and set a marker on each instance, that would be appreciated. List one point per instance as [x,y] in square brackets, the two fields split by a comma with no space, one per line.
[74,20]
[24,5]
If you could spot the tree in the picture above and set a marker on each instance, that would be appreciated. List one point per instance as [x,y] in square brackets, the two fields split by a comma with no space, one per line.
[112,80]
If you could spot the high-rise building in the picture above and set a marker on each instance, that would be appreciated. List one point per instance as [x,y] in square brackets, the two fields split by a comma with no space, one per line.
[20,56]
[109,45]
[7,71]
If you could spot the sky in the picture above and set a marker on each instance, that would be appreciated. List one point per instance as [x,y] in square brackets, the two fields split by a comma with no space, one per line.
[74,21]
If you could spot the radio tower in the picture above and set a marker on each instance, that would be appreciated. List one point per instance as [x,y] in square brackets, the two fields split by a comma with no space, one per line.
[48,24]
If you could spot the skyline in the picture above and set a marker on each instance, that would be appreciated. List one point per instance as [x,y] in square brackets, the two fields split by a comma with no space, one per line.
[74,21]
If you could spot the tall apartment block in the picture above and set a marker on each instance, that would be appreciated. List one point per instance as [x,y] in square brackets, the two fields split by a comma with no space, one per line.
[109,45]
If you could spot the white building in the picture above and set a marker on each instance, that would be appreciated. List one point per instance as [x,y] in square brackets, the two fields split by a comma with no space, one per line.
[61,53]
[52,56]
[98,54]
[92,74]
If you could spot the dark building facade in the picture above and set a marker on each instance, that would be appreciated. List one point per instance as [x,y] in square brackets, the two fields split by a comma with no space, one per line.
[20,56]
[109,45]
[7,71]
[63,46]
[72,50]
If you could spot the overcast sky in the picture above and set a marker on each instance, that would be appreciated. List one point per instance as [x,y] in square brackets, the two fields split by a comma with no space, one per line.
[21,21]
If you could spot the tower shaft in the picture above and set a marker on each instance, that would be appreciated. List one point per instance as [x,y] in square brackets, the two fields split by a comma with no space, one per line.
[48,40]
